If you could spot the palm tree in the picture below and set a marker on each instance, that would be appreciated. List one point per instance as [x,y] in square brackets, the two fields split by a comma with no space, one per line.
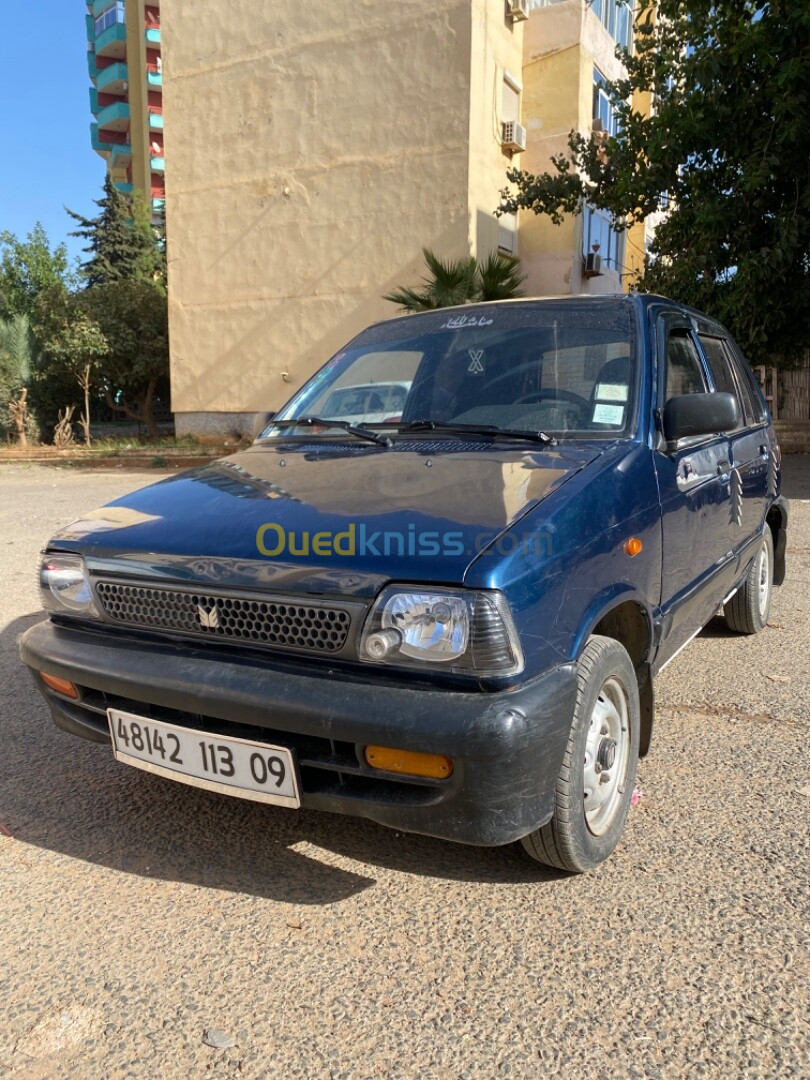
[461,281]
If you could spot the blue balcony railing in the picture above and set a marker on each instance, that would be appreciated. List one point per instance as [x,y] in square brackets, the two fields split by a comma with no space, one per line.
[153,35]
[111,79]
[111,41]
[115,116]
[156,121]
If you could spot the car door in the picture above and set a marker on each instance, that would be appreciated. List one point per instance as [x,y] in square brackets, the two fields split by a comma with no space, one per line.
[694,489]
[750,443]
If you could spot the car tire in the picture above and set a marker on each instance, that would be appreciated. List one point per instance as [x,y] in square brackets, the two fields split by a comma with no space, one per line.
[748,610]
[589,812]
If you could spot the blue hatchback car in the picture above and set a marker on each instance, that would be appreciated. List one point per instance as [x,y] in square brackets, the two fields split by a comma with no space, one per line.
[446,618]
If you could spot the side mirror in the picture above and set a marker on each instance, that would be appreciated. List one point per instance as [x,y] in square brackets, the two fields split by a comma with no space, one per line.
[260,422]
[689,415]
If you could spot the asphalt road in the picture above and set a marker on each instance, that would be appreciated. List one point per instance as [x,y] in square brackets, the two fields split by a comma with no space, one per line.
[138,914]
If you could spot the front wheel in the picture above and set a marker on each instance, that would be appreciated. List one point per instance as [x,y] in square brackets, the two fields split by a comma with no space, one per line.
[748,610]
[595,784]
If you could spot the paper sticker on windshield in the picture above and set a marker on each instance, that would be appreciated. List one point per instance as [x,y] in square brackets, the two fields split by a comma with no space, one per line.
[610,392]
[608,414]
[476,366]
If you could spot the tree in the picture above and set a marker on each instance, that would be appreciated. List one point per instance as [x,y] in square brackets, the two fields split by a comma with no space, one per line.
[132,316]
[724,149]
[73,343]
[461,281]
[122,245]
[27,268]
[18,353]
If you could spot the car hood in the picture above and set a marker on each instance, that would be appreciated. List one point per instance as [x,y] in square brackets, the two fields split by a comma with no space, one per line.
[421,510]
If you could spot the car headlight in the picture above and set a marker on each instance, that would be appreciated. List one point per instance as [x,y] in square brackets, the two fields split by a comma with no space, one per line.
[64,585]
[466,631]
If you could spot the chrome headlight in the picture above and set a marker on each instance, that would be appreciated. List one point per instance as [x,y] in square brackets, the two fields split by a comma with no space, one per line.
[466,631]
[64,585]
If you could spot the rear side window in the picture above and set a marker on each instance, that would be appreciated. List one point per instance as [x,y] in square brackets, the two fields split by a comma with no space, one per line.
[748,386]
[723,374]
[684,369]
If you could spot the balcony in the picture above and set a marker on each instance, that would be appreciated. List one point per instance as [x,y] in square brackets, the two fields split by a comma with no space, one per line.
[158,164]
[120,156]
[124,188]
[153,35]
[97,142]
[155,121]
[114,117]
[113,79]
[112,42]
[94,106]
[89,23]
[154,77]
[92,66]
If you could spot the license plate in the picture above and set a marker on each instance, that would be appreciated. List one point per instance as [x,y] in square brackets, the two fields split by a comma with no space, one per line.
[248,770]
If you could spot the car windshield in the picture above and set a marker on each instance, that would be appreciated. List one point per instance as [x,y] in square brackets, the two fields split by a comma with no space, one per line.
[567,368]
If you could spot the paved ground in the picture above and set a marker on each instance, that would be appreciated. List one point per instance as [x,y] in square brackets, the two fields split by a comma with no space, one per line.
[137,914]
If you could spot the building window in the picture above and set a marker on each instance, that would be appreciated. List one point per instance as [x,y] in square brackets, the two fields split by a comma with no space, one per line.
[598,234]
[602,105]
[617,18]
[507,234]
[111,15]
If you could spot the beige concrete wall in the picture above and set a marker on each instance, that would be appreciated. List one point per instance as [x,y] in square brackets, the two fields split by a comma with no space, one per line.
[138,112]
[562,45]
[497,50]
[314,149]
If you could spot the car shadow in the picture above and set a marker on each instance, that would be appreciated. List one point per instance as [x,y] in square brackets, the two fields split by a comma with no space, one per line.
[71,797]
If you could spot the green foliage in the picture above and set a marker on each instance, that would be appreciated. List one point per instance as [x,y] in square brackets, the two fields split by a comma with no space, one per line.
[18,356]
[132,316]
[725,149]
[122,245]
[27,268]
[461,281]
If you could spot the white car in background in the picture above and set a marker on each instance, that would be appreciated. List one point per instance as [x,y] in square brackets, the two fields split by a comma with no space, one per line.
[370,403]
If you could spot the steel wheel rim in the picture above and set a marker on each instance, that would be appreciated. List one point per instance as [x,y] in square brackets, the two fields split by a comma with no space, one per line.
[763,580]
[607,751]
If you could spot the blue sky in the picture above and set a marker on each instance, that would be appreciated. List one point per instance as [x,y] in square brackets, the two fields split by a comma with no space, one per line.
[47,162]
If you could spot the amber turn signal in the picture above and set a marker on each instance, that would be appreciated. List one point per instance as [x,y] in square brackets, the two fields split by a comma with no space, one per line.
[633,546]
[434,766]
[61,686]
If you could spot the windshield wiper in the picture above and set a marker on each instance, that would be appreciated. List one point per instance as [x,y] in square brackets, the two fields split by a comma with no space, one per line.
[344,425]
[478,429]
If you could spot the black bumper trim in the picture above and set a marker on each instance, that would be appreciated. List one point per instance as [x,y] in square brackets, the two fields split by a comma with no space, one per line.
[507,747]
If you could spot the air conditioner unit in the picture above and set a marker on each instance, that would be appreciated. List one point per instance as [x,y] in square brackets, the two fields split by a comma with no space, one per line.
[513,136]
[518,10]
[593,265]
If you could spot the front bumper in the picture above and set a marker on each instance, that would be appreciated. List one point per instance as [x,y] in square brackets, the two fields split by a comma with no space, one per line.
[507,747]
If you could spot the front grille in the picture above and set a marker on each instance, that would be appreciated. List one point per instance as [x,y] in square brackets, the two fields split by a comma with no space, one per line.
[286,624]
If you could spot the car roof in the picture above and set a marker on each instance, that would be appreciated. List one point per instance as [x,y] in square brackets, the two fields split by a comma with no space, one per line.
[636,299]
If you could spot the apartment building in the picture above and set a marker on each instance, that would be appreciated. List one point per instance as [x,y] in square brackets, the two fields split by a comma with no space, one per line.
[569,54]
[317,148]
[126,97]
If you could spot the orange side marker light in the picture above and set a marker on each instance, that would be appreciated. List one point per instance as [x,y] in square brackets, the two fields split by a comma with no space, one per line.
[61,686]
[633,546]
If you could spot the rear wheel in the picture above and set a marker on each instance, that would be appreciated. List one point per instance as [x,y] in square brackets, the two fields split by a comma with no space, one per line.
[748,609]
[595,784]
